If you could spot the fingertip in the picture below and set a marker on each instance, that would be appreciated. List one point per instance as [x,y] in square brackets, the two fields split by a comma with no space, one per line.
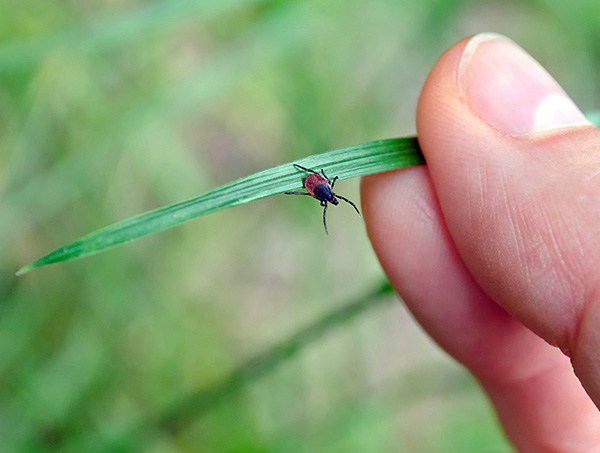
[516,178]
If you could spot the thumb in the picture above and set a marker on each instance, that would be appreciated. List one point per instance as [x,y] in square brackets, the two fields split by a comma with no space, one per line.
[516,168]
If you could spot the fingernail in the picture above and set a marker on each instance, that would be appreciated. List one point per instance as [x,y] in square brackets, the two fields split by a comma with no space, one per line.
[511,91]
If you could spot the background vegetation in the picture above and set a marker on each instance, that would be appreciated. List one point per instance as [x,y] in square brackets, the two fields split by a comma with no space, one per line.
[248,330]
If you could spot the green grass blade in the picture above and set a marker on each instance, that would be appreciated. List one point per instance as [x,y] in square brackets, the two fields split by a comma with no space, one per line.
[359,160]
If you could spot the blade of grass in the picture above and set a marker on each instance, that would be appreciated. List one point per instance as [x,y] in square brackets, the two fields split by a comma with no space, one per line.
[359,160]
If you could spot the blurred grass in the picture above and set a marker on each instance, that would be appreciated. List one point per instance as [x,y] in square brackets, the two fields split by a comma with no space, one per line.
[109,109]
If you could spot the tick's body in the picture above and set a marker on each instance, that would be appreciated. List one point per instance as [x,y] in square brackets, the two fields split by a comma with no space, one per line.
[318,187]
[321,188]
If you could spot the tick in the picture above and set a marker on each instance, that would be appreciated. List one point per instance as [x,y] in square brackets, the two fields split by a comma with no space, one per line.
[321,188]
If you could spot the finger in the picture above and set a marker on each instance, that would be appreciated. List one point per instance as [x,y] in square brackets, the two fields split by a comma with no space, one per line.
[516,168]
[407,229]
[531,384]
[523,374]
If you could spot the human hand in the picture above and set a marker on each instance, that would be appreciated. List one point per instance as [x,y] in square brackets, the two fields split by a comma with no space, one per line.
[495,245]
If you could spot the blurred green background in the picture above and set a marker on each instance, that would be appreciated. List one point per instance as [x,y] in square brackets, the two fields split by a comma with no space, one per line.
[247,330]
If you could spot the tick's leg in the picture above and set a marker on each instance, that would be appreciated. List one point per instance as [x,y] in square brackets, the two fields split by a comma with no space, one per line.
[297,193]
[333,182]
[305,169]
[325,176]
[348,201]
[324,218]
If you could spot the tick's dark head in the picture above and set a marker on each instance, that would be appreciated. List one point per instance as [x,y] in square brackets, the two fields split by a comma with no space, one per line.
[323,192]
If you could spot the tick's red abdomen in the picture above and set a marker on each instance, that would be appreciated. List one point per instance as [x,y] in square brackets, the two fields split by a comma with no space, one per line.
[321,188]
[312,181]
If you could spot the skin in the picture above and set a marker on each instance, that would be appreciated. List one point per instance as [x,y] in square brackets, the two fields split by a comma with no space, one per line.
[495,248]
